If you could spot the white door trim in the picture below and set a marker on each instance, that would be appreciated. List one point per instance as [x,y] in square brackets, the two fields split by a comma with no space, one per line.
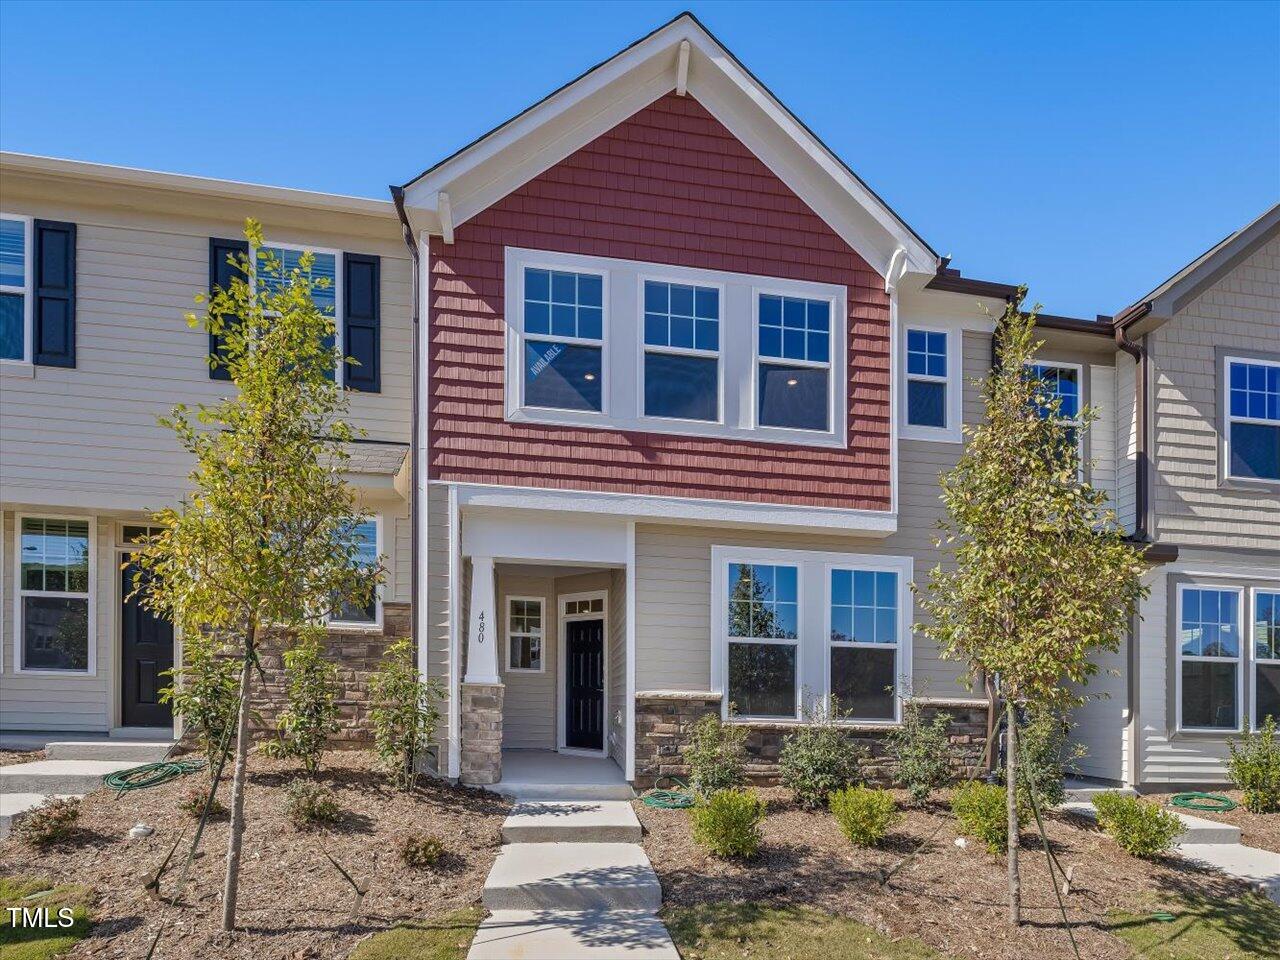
[562,600]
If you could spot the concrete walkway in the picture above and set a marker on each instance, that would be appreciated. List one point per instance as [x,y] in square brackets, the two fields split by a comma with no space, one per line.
[572,883]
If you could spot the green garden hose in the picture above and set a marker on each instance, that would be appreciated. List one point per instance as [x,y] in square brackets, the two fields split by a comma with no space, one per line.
[151,774]
[680,798]
[1213,802]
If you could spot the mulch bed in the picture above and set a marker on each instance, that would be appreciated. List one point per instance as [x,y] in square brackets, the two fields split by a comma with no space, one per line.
[1261,830]
[10,757]
[952,898]
[293,905]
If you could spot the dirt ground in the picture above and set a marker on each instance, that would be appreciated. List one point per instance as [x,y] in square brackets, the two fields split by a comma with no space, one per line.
[10,757]
[953,898]
[293,904]
[1261,830]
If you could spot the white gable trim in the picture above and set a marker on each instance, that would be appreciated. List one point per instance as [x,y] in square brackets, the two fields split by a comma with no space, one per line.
[491,168]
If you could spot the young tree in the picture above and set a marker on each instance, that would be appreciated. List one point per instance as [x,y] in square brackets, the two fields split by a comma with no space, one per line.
[1043,576]
[262,542]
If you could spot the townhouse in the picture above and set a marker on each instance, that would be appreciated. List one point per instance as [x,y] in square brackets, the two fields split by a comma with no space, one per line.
[656,395]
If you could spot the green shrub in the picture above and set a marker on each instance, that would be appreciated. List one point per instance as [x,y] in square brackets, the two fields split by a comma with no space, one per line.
[920,751]
[405,710]
[49,824]
[193,799]
[1045,751]
[1254,768]
[980,811]
[311,715]
[864,815]
[715,755]
[420,850]
[205,693]
[1139,827]
[819,758]
[308,804]
[728,822]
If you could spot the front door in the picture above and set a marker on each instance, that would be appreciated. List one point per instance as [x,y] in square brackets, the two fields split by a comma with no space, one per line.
[146,651]
[584,684]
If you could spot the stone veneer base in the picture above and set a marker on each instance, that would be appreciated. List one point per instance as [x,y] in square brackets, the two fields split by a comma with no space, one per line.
[481,715]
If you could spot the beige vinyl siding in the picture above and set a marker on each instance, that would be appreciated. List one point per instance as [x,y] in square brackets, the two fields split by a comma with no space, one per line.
[436,584]
[1101,452]
[1126,440]
[617,640]
[1242,311]
[43,701]
[529,701]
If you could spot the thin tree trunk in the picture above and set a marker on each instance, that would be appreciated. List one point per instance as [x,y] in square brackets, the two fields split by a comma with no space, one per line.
[231,886]
[1011,806]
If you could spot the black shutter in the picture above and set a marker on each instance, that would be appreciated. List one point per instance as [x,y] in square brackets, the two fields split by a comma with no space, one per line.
[361,321]
[220,274]
[54,310]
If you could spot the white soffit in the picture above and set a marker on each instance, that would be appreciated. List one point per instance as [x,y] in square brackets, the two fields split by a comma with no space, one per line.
[545,134]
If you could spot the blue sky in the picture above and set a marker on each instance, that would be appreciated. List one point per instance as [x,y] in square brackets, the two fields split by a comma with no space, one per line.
[1088,150]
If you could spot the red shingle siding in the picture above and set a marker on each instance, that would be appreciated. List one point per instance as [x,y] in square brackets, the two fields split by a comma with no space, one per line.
[669,185]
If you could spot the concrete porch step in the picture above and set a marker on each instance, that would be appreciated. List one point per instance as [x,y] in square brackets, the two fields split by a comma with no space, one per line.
[58,776]
[572,821]
[572,876]
[13,806]
[1078,788]
[1259,868]
[137,751]
[537,790]
[557,935]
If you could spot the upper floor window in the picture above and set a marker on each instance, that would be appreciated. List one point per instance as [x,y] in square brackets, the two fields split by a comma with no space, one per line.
[363,537]
[15,288]
[1253,419]
[681,351]
[564,340]
[794,346]
[276,265]
[1060,382]
[55,579]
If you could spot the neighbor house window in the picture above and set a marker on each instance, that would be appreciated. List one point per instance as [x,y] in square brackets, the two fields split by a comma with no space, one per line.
[524,634]
[1209,651]
[763,634]
[1266,656]
[927,378]
[864,642]
[1253,421]
[363,537]
[681,351]
[564,340]
[15,288]
[324,267]
[793,383]
[54,579]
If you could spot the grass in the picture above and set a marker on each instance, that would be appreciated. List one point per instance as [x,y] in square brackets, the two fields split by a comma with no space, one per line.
[445,938]
[1242,928]
[34,942]
[725,931]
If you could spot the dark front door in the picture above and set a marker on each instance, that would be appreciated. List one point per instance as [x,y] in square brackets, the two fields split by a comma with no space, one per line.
[146,651]
[584,684]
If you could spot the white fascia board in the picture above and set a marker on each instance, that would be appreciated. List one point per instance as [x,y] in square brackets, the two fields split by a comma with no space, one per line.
[684,510]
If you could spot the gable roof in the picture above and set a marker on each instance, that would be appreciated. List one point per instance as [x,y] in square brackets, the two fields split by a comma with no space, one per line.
[680,51]
[1202,272]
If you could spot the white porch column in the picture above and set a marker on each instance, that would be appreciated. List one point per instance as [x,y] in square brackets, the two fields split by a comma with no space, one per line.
[482,627]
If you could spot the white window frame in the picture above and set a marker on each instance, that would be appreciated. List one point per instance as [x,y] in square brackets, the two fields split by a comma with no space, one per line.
[1074,421]
[542,636]
[951,431]
[1253,659]
[361,626]
[623,349]
[835,422]
[27,290]
[91,596]
[1240,660]
[339,340]
[902,626]
[647,348]
[1224,376]
[813,646]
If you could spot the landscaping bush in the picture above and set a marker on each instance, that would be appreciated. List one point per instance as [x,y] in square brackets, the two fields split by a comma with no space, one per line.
[308,804]
[205,693]
[53,822]
[421,850]
[1254,767]
[1044,752]
[193,799]
[920,751]
[864,815]
[728,822]
[1139,827]
[980,811]
[405,711]
[311,714]
[819,758]
[715,755]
